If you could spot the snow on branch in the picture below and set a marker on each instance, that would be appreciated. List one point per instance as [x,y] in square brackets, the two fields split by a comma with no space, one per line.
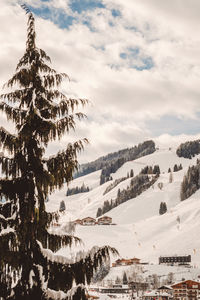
[7,140]
[56,295]
[73,291]
[8,219]
[94,255]
[7,231]
[56,241]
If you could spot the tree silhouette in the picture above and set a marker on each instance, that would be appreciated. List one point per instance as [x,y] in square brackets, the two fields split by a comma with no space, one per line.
[62,206]
[41,113]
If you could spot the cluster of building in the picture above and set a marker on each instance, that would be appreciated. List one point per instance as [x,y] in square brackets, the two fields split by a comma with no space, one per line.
[167,260]
[184,290]
[88,221]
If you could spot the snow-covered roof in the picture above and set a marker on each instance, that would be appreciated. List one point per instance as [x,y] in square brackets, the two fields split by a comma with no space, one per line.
[184,281]
[88,218]
[105,217]
[156,293]
[165,287]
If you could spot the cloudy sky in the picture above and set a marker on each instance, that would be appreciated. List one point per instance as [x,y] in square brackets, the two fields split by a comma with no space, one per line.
[137,61]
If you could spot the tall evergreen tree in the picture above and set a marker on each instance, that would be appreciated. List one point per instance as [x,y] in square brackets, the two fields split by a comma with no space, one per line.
[29,269]
[125,279]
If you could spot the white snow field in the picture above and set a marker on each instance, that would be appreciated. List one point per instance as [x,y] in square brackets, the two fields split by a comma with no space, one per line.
[140,231]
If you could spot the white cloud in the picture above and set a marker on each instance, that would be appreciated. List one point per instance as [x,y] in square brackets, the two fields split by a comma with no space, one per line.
[122,97]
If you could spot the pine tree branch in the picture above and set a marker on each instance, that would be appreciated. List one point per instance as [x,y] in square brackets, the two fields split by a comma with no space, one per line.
[13,166]
[55,241]
[7,140]
[14,114]
[64,163]
[24,77]
[36,60]
[58,128]
[64,125]
[5,222]
[15,96]
[53,80]
[76,293]
[5,208]
[79,269]
[8,242]
[62,108]
[12,188]
[11,257]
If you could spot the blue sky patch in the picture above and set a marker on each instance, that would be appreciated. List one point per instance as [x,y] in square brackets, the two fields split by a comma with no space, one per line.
[131,52]
[147,64]
[123,55]
[174,125]
[57,16]
[116,13]
[133,56]
[84,5]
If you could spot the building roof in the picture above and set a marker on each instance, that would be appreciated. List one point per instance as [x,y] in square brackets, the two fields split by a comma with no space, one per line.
[185,281]
[156,293]
[165,287]
[126,259]
[89,218]
[104,217]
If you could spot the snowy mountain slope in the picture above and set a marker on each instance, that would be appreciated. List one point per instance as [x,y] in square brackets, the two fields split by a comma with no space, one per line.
[165,158]
[78,201]
[154,236]
[147,204]
[140,230]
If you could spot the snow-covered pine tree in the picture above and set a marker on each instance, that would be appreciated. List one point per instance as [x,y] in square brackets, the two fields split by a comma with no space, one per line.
[62,206]
[29,269]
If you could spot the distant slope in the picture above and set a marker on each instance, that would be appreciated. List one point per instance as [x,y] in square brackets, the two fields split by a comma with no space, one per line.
[87,203]
[188,149]
[112,160]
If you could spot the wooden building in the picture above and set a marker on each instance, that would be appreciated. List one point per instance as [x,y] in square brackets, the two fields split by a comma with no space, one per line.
[126,262]
[78,221]
[105,220]
[165,289]
[186,290]
[88,221]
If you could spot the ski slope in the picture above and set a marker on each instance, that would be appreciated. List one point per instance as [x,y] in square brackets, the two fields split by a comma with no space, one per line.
[140,230]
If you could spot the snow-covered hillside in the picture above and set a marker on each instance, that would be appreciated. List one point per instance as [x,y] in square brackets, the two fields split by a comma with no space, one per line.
[140,230]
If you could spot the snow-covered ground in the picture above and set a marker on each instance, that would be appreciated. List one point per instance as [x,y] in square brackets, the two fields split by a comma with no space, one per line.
[140,231]
[162,271]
